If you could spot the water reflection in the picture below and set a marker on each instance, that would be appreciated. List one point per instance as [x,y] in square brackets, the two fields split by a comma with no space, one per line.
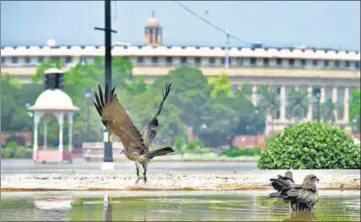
[222,207]
[302,216]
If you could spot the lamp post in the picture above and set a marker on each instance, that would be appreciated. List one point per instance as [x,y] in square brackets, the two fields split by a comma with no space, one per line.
[108,149]
[30,114]
[88,96]
[256,111]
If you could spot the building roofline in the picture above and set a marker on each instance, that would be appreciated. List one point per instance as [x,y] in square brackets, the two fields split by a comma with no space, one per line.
[265,47]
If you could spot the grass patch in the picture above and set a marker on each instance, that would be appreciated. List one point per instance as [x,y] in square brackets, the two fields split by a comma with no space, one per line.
[235,152]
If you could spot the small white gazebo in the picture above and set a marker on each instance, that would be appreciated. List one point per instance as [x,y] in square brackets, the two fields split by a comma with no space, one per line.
[58,103]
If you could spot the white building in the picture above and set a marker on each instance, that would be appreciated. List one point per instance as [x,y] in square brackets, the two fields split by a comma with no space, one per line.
[335,72]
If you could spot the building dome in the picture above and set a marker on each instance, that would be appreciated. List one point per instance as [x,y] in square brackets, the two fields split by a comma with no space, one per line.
[153,22]
[54,100]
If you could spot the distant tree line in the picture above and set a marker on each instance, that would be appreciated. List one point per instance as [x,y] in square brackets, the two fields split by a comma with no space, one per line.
[209,106]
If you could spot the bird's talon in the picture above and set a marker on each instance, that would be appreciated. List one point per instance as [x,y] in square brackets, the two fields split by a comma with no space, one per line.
[136,182]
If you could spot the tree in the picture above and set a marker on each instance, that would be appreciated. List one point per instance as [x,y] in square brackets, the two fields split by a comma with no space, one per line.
[246,90]
[328,112]
[221,86]
[190,93]
[77,80]
[269,100]
[14,117]
[143,107]
[39,75]
[137,87]
[297,105]
[237,110]
[220,123]
[355,110]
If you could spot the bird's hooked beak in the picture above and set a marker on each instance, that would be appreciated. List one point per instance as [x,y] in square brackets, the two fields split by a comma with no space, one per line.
[317,180]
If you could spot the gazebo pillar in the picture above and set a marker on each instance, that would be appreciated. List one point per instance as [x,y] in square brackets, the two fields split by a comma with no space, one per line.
[60,117]
[70,120]
[45,139]
[37,116]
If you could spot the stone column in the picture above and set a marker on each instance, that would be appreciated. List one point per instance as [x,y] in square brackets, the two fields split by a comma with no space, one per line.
[310,104]
[60,117]
[283,103]
[45,139]
[254,95]
[334,100]
[70,120]
[346,114]
[37,116]
[323,95]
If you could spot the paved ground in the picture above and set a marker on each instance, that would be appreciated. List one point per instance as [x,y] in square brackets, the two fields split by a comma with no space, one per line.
[8,165]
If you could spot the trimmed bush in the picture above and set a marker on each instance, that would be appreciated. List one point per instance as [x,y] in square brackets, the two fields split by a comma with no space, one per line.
[235,152]
[16,152]
[311,145]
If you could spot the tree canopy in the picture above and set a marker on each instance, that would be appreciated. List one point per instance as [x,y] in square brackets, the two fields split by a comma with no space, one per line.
[207,105]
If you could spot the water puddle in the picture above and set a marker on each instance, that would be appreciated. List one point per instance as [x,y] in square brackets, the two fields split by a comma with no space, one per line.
[172,206]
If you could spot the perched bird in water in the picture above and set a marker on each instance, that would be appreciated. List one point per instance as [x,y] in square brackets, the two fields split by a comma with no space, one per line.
[116,119]
[301,197]
[281,184]
[304,198]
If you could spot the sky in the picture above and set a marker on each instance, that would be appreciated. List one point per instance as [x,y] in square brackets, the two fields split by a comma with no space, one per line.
[332,24]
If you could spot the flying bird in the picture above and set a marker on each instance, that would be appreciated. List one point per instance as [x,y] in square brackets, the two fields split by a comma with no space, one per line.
[150,132]
[117,120]
[300,197]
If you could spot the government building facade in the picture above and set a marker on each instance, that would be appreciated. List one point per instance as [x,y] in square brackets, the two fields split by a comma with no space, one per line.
[335,73]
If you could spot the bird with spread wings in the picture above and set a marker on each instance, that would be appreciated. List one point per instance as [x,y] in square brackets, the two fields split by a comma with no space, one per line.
[117,120]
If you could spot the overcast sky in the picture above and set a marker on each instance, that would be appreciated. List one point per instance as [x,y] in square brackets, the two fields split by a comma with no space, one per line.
[334,24]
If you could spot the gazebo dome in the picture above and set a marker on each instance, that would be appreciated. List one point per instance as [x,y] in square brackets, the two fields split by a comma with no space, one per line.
[54,100]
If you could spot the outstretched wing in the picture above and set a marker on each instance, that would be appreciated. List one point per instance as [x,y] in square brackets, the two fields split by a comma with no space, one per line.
[116,119]
[149,132]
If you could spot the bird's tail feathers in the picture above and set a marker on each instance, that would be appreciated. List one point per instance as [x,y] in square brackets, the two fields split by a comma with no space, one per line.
[159,152]
[274,195]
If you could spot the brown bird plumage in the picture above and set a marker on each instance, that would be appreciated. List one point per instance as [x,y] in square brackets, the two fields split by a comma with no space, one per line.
[301,197]
[116,119]
[282,184]
[304,198]
[149,132]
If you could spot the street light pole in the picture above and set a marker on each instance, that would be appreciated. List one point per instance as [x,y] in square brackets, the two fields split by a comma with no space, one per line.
[88,96]
[256,112]
[108,150]
[227,51]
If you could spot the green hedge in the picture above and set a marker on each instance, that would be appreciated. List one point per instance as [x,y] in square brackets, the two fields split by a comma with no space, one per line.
[235,152]
[19,152]
[311,145]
